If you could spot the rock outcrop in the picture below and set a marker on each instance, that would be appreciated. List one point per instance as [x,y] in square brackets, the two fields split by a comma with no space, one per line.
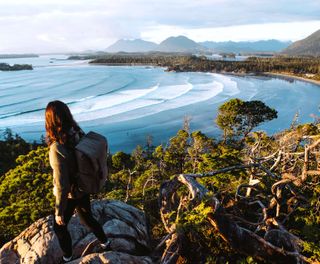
[125,226]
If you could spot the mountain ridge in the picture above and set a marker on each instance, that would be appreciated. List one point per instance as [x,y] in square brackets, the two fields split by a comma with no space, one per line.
[135,45]
[179,44]
[185,44]
[271,45]
[309,46]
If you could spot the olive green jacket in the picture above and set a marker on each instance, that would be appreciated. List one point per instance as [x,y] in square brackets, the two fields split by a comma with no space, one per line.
[64,168]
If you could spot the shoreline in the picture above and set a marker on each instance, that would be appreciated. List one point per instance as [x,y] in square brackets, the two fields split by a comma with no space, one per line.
[123,64]
[290,77]
[285,76]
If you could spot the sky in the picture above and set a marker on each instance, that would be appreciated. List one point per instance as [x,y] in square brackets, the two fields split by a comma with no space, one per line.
[42,26]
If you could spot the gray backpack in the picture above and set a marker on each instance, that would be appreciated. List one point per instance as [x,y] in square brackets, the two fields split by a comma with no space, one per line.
[91,156]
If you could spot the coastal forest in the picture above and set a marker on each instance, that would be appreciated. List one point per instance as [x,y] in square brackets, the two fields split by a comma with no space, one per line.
[245,197]
[306,67]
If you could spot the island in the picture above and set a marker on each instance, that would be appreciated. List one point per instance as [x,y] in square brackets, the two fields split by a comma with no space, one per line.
[15,67]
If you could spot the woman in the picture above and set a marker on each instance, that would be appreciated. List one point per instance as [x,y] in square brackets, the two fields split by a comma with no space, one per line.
[63,133]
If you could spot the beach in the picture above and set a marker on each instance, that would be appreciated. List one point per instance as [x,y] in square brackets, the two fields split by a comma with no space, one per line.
[129,103]
[289,76]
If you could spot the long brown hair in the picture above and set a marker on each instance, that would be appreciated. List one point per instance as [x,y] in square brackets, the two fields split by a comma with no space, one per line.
[59,121]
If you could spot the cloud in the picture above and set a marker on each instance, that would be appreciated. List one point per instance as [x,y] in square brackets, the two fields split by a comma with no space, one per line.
[281,31]
[74,25]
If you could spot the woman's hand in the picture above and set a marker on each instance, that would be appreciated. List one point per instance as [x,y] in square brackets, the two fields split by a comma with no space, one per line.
[60,220]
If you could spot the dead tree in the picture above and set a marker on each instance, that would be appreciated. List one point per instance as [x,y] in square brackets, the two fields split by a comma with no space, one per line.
[266,239]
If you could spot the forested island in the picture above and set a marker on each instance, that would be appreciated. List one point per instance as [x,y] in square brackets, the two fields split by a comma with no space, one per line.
[305,67]
[15,67]
[247,197]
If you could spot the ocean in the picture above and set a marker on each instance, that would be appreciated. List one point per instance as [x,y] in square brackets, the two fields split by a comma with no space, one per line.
[129,103]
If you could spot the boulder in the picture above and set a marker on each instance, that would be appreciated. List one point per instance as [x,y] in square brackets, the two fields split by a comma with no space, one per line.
[112,258]
[125,226]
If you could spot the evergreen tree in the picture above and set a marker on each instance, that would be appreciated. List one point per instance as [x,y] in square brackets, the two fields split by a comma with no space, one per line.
[238,118]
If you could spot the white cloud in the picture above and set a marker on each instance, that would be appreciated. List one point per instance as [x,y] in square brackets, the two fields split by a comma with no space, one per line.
[281,31]
[74,25]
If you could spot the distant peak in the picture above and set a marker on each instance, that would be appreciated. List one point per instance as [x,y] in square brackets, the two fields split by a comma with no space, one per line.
[131,45]
[179,44]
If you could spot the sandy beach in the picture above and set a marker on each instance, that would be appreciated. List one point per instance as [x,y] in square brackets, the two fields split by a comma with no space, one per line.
[274,75]
[288,76]
[127,103]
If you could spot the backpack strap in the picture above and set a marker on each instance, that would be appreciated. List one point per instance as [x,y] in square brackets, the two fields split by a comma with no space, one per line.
[74,136]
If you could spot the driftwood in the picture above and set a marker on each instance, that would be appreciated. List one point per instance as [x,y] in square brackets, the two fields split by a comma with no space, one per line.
[273,243]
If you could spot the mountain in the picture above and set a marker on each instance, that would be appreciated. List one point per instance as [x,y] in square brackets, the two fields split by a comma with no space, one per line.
[136,45]
[179,44]
[184,44]
[309,46]
[171,44]
[271,45]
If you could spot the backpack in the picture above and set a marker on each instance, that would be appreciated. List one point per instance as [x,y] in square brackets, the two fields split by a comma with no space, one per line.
[91,159]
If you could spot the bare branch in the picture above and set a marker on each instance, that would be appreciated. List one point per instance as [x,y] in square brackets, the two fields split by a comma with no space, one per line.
[196,189]
[224,170]
[276,163]
[264,209]
[244,186]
